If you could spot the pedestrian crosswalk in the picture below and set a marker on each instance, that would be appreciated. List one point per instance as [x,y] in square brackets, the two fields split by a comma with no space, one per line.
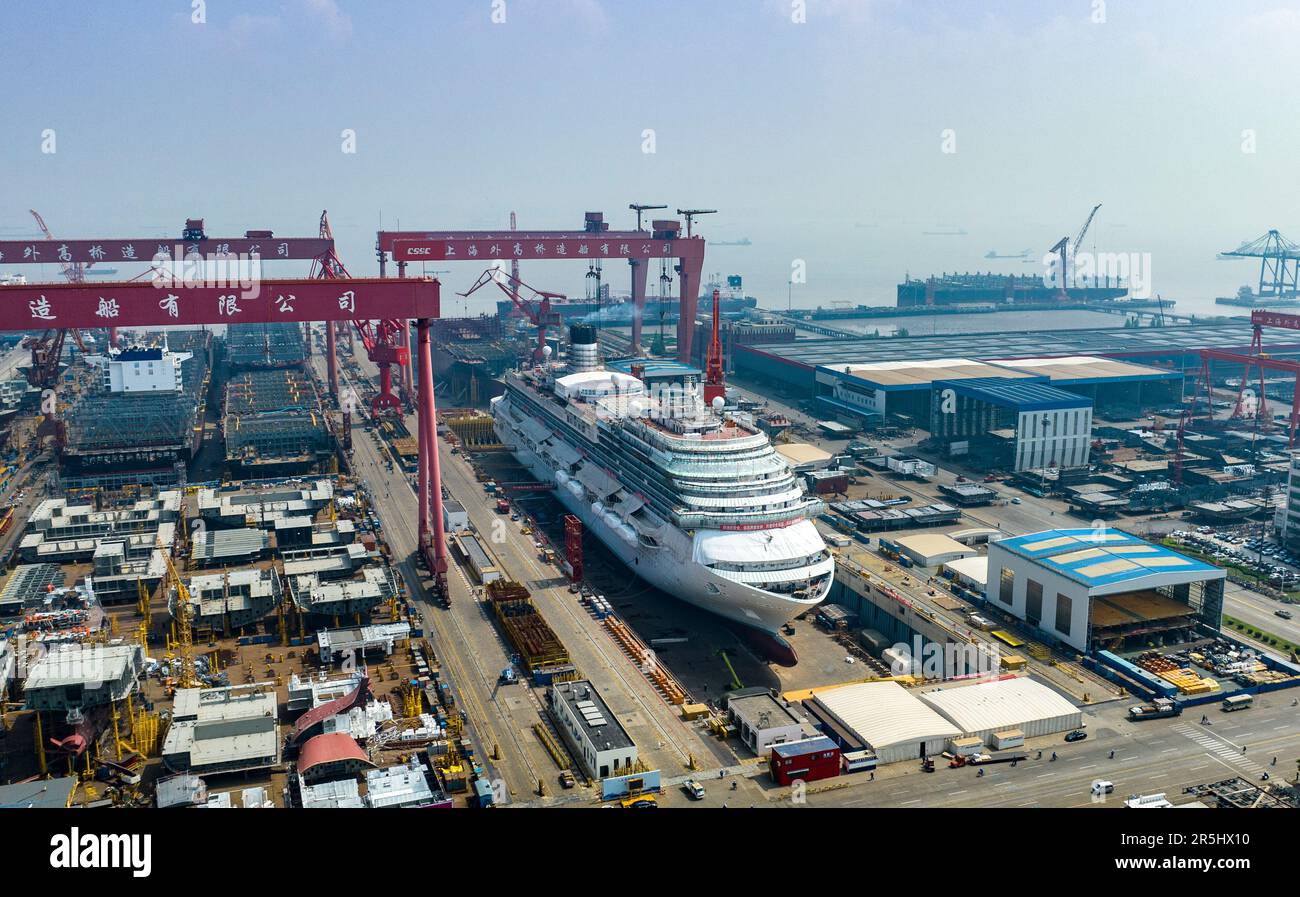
[1228,753]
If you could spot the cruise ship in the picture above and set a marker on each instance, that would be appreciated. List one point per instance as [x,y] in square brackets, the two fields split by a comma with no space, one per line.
[696,503]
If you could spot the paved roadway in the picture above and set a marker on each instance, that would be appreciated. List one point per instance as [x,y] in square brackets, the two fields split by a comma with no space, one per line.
[467,642]
[471,667]
[1165,755]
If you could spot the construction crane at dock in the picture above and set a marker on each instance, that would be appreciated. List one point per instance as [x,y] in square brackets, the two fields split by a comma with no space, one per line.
[690,214]
[540,317]
[1067,250]
[715,386]
[189,677]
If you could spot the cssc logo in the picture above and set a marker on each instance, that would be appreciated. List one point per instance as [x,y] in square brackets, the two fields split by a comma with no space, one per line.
[419,250]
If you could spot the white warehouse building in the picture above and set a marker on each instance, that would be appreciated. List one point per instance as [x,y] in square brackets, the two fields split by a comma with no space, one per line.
[1005,705]
[1103,589]
[887,718]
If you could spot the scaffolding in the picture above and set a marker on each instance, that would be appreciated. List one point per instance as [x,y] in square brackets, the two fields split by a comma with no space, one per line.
[274,417]
[278,345]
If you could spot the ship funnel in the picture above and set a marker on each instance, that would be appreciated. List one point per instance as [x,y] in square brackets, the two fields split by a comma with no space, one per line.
[584,350]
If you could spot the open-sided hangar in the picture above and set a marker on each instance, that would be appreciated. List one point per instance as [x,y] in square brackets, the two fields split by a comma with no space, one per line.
[1097,589]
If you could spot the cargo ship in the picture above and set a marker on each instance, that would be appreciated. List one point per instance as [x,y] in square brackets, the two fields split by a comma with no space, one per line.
[696,503]
[1013,289]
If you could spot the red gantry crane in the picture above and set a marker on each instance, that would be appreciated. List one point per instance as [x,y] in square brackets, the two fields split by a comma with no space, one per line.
[1261,361]
[594,242]
[139,304]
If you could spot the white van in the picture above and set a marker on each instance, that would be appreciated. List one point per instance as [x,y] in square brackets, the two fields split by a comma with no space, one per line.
[1102,787]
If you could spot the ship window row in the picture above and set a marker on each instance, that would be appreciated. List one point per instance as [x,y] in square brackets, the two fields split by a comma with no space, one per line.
[774,566]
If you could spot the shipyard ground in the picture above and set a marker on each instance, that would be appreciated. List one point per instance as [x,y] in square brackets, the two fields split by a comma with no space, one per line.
[472,652]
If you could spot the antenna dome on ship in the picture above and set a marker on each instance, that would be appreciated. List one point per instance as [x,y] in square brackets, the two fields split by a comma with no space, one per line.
[546,351]
[718,402]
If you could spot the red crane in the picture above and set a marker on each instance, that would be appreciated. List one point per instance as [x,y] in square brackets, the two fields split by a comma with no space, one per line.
[714,377]
[382,339]
[75,272]
[663,241]
[540,317]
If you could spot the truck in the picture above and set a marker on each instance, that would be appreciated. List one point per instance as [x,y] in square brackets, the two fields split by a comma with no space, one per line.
[507,677]
[1157,709]
[503,506]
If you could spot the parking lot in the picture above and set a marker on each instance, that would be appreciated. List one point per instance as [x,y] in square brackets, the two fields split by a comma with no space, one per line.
[1253,556]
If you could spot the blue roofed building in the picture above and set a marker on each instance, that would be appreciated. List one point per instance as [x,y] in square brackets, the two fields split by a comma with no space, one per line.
[1103,589]
[1017,424]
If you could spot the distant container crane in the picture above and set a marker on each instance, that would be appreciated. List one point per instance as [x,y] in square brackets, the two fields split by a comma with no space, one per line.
[1279,263]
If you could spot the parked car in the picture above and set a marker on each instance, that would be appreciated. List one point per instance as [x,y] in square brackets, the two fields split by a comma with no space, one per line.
[1076,735]
[693,789]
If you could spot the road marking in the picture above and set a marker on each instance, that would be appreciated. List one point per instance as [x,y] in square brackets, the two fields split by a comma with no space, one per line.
[1090,766]
[1169,750]
[1280,728]
[906,802]
[1044,775]
[1163,775]
[955,793]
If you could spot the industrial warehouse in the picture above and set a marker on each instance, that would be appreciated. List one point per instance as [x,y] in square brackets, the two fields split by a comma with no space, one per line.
[1102,588]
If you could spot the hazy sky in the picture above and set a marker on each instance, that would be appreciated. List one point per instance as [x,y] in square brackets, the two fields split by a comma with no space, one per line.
[820,140]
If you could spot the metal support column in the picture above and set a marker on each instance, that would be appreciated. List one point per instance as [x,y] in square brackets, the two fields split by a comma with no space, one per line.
[422,436]
[640,270]
[431,501]
[331,357]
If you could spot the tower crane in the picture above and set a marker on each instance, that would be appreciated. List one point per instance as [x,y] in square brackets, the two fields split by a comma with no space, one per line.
[714,379]
[639,207]
[540,317]
[1083,231]
[690,214]
[47,349]
[189,677]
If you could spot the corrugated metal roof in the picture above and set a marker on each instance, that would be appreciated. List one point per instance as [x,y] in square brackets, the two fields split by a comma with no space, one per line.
[1101,557]
[884,714]
[1003,704]
[1022,395]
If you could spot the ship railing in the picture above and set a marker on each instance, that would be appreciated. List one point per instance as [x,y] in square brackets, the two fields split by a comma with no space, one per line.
[693,519]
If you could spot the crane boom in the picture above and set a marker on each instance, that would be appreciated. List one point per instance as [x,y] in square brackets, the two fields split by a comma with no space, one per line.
[541,317]
[1083,231]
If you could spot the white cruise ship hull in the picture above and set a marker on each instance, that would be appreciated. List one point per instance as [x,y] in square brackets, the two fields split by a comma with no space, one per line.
[671,568]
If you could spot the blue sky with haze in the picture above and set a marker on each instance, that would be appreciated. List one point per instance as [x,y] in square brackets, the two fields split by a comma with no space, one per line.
[818,141]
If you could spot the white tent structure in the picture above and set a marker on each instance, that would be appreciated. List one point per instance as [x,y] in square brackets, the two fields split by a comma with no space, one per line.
[888,718]
[1006,704]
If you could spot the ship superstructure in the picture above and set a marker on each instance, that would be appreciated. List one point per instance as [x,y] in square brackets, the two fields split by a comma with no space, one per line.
[695,502]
